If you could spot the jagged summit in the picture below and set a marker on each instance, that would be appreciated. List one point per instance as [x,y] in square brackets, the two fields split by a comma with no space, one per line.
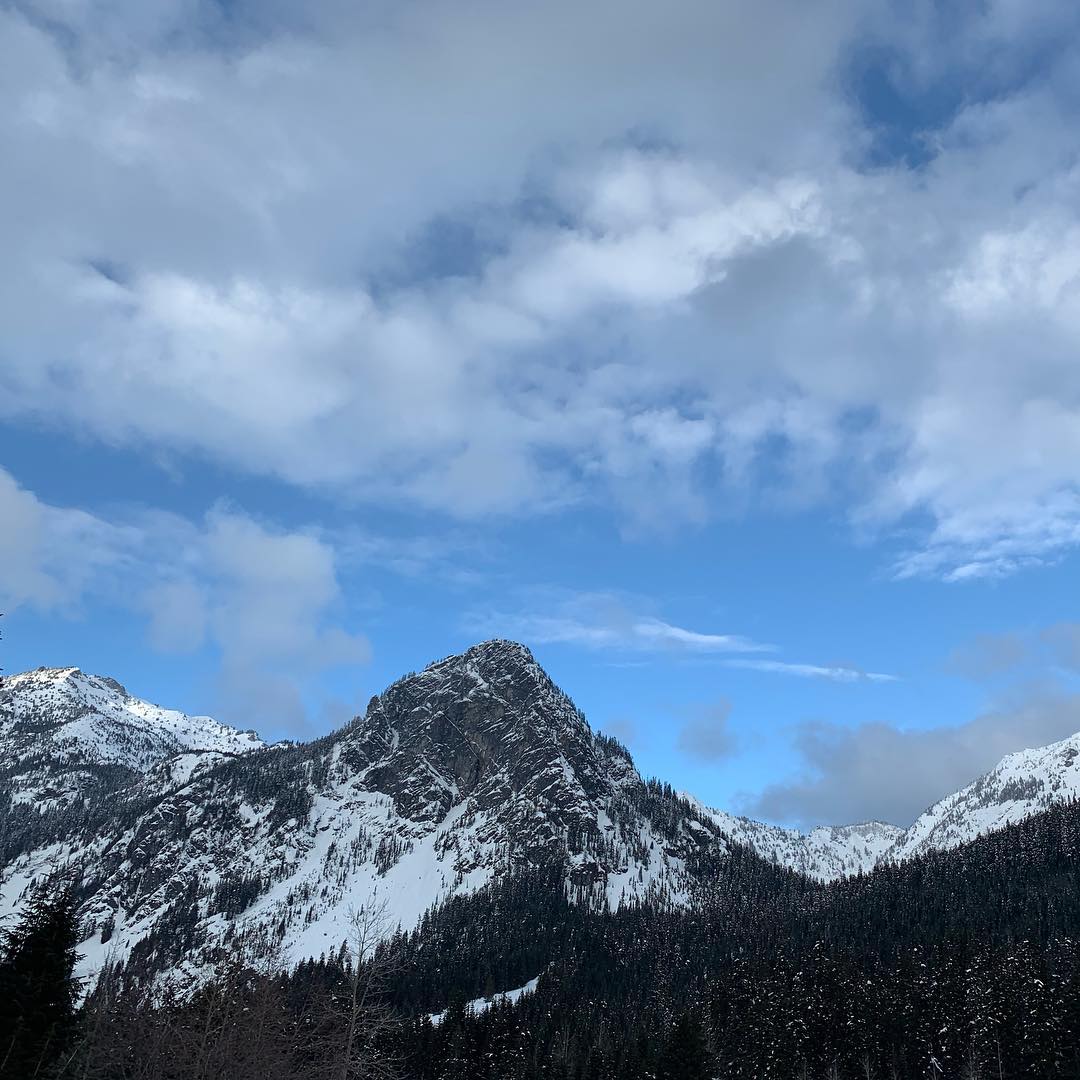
[498,651]
[498,668]
[43,678]
[488,725]
[485,664]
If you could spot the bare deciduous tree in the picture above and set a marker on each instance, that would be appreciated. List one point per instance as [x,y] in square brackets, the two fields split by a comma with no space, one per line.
[350,1036]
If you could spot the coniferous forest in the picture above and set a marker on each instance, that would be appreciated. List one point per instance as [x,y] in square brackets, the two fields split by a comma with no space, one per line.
[961,964]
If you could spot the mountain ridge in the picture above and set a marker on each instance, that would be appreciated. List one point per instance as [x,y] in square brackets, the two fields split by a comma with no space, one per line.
[452,777]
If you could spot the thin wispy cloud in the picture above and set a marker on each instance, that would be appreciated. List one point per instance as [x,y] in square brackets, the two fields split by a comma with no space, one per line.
[835,673]
[604,621]
[662,633]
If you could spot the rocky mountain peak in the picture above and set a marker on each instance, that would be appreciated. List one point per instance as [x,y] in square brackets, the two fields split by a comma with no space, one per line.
[503,675]
[186,830]
[487,725]
[496,653]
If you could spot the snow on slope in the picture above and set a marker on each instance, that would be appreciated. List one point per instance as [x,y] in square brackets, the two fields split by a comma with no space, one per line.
[481,1005]
[190,832]
[1020,785]
[70,739]
[455,775]
[825,853]
[96,719]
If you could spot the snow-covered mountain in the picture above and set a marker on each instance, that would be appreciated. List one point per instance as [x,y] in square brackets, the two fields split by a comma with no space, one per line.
[65,735]
[1020,785]
[474,765]
[182,834]
[825,853]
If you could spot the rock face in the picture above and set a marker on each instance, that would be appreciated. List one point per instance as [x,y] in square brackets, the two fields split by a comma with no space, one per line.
[490,728]
[477,764]
[181,834]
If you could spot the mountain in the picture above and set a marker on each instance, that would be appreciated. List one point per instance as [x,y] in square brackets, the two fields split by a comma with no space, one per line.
[1020,785]
[476,765]
[183,835]
[825,853]
[69,738]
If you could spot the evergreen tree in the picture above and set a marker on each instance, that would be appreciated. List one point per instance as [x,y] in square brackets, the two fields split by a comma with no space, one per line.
[686,1056]
[38,990]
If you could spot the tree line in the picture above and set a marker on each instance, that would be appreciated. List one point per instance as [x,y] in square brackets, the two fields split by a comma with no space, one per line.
[961,964]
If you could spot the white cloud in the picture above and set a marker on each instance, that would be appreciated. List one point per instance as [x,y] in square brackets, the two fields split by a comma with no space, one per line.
[50,556]
[835,673]
[267,600]
[23,577]
[677,294]
[664,633]
[274,591]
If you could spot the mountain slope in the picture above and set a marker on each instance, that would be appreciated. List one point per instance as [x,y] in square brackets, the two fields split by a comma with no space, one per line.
[1020,785]
[475,765]
[825,853]
[69,742]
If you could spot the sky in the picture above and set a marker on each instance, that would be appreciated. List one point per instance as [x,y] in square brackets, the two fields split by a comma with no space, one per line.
[723,353]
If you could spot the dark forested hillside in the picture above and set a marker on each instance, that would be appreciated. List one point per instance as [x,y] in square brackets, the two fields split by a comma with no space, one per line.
[958,964]
[962,964]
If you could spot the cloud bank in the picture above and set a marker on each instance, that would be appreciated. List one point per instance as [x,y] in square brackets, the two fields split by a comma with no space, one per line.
[407,256]
[879,772]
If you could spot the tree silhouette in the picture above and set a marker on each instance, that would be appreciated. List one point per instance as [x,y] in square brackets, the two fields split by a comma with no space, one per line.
[686,1056]
[38,990]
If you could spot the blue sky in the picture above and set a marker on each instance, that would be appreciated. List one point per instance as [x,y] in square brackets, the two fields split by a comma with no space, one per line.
[725,354]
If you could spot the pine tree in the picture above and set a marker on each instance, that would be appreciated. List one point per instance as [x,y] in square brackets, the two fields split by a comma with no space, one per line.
[686,1056]
[38,990]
